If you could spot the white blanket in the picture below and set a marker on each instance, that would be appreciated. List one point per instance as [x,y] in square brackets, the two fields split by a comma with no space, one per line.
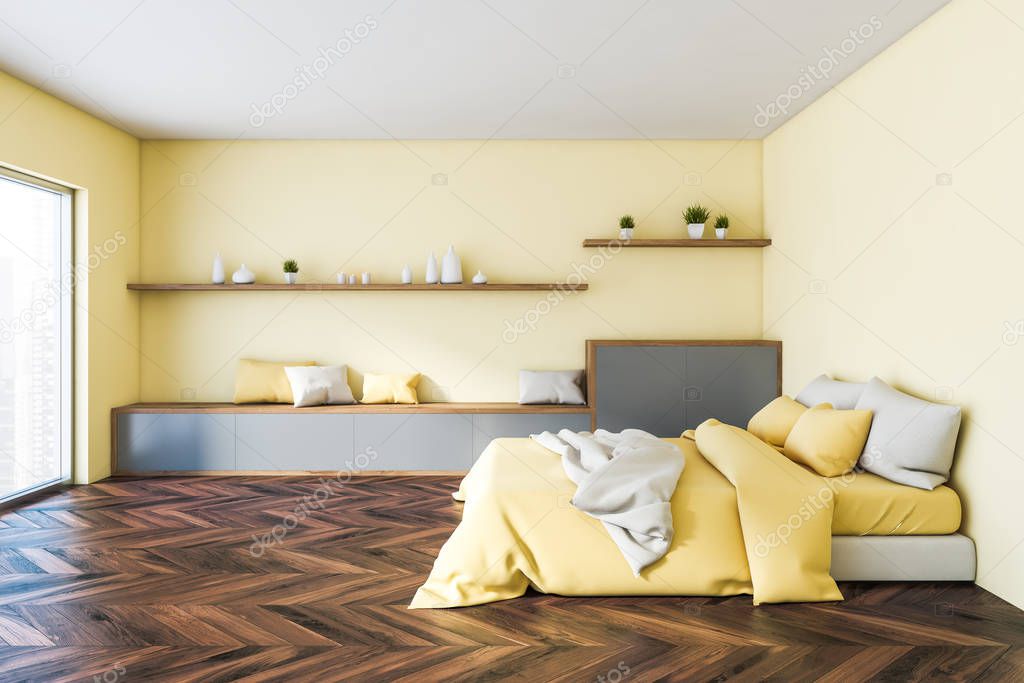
[626,481]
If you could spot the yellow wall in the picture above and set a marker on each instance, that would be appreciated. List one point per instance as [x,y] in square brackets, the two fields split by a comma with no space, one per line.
[894,205]
[44,136]
[518,210]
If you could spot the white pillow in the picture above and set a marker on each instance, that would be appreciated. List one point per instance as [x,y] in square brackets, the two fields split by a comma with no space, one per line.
[551,386]
[911,441]
[823,389]
[319,385]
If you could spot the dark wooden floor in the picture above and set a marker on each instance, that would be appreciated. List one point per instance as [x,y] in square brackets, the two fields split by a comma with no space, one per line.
[162,579]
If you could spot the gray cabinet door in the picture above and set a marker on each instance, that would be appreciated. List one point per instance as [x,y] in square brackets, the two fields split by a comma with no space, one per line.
[728,383]
[149,442]
[669,389]
[487,427]
[414,442]
[294,442]
[641,387]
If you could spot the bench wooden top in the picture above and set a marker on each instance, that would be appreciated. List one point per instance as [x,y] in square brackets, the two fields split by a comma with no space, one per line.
[358,408]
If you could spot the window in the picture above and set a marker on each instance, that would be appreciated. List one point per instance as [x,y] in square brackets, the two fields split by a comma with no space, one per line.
[35,334]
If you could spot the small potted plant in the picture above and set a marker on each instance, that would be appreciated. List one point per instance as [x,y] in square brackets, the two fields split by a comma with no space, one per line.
[626,225]
[291,271]
[721,226]
[696,216]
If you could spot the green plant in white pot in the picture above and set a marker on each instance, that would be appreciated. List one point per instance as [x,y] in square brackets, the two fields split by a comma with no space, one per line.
[721,226]
[626,226]
[291,271]
[696,216]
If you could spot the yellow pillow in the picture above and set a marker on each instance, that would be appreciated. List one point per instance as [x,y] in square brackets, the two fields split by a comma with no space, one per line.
[772,423]
[392,388]
[258,381]
[828,441]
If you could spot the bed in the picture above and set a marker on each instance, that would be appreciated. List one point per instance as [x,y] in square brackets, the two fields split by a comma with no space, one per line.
[519,530]
[735,500]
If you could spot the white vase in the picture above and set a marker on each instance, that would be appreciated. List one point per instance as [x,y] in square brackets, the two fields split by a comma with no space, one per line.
[451,268]
[342,279]
[479,278]
[696,230]
[243,276]
[407,275]
[720,233]
[352,279]
[431,276]
[218,270]
[291,278]
[625,234]
[366,278]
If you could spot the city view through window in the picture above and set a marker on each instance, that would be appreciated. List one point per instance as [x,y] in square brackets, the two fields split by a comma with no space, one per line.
[31,303]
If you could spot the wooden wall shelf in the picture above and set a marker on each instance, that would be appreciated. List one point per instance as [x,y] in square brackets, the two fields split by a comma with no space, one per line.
[678,243]
[390,287]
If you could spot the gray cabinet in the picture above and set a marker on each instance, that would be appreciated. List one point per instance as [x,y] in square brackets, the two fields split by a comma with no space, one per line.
[641,387]
[487,427]
[293,442]
[729,383]
[669,389]
[414,442]
[662,387]
[330,442]
[153,442]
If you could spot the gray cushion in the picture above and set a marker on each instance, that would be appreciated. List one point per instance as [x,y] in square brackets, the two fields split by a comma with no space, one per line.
[551,386]
[911,441]
[822,389]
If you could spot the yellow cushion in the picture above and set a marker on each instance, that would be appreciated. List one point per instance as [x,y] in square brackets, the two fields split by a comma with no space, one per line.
[828,441]
[772,423]
[258,381]
[394,388]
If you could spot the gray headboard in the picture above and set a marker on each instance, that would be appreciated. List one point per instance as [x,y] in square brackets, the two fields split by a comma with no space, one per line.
[666,387]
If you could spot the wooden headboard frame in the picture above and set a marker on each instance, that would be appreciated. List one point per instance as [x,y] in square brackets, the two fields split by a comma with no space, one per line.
[593,344]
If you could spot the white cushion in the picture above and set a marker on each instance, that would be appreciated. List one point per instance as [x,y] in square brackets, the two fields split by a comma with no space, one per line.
[911,440]
[547,386]
[823,389]
[319,385]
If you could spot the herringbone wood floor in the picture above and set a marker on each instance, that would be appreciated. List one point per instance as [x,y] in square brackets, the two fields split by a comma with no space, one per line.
[155,579]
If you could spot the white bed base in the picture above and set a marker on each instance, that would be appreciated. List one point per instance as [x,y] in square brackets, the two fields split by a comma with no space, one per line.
[903,558]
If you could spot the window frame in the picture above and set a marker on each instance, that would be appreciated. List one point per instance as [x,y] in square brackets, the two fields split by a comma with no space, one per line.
[67,288]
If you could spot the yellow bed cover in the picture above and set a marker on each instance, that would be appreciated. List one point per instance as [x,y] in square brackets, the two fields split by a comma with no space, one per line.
[520,529]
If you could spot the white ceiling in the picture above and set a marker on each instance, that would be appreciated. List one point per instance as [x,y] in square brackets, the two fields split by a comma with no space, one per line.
[443,68]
